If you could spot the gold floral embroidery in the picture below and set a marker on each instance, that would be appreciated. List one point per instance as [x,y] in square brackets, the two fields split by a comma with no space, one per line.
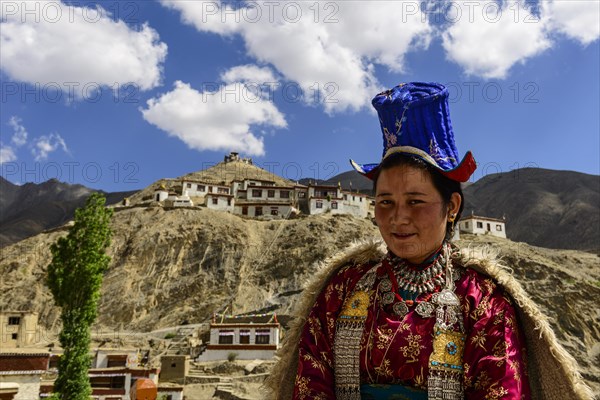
[325,357]
[330,319]
[483,381]
[481,309]
[510,322]
[413,349]
[420,380]
[488,286]
[316,364]
[479,339]
[384,338]
[302,383]
[468,378]
[464,305]
[495,392]
[328,292]
[314,327]
[514,365]
[499,350]
[499,318]
[384,368]
[340,289]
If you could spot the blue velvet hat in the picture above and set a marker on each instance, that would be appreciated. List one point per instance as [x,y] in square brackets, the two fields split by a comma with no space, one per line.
[415,120]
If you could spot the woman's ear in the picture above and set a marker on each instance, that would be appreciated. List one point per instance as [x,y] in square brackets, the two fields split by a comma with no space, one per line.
[454,205]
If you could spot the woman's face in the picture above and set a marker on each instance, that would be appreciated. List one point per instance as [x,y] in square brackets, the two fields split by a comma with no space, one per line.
[410,213]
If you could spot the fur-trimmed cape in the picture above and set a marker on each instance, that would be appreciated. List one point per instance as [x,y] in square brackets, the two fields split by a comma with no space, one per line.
[553,372]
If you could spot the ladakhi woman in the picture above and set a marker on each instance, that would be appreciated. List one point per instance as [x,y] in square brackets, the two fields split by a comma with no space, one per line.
[412,317]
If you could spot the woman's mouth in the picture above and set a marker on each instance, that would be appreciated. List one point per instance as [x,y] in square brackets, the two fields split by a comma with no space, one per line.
[403,236]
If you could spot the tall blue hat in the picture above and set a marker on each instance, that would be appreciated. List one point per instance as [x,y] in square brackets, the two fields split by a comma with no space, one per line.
[415,120]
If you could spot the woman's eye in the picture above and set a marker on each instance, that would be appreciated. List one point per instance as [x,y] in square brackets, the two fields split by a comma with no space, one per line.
[385,202]
[413,202]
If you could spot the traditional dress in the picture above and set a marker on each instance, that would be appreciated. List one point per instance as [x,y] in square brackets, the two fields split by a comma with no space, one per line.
[395,345]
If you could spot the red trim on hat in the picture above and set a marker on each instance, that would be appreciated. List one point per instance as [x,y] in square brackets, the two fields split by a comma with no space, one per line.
[463,171]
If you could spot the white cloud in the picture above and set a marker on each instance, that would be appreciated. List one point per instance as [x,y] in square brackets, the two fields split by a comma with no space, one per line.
[20,133]
[488,39]
[328,48]
[7,154]
[249,74]
[44,145]
[220,120]
[72,45]
[578,19]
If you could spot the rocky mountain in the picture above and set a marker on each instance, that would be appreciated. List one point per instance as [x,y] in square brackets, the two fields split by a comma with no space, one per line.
[555,209]
[32,208]
[178,266]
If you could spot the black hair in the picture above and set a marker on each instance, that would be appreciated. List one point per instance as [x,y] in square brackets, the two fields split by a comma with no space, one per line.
[445,186]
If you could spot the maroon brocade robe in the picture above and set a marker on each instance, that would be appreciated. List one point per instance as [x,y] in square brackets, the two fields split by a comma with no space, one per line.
[396,350]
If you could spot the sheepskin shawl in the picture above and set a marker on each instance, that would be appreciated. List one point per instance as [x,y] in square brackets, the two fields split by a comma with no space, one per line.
[553,372]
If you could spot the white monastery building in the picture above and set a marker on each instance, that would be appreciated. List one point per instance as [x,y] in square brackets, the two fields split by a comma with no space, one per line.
[482,226]
[249,341]
[253,197]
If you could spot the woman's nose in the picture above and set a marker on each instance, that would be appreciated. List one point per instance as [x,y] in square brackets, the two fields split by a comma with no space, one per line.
[400,214]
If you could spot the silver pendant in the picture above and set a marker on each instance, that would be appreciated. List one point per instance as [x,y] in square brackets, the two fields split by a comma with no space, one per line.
[400,309]
[387,298]
[385,285]
[425,309]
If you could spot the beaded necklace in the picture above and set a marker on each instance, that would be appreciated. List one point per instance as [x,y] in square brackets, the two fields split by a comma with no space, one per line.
[414,281]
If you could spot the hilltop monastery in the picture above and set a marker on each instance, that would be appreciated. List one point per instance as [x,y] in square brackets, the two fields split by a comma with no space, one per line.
[239,187]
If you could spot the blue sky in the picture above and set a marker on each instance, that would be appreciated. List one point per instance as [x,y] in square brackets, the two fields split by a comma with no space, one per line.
[116,95]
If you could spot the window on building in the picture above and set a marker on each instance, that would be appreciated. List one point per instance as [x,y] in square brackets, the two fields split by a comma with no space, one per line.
[14,336]
[108,382]
[173,365]
[274,211]
[334,205]
[226,336]
[244,210]
[256,193]
[229,201]
[467,225]
[499,227]
[270,193]
[116,361]
[301,195]
[360,199]
[258,211]
[223,190]
[215,200]
[244,336]
[284,194]
[319,204]
[345,197]
[480,225]
[14,320]
[53,363]
[262,336]
[353,198]
[189,185]
[489,227]
[201,188]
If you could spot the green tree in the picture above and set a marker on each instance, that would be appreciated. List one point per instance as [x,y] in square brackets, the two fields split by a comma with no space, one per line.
[74,278]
